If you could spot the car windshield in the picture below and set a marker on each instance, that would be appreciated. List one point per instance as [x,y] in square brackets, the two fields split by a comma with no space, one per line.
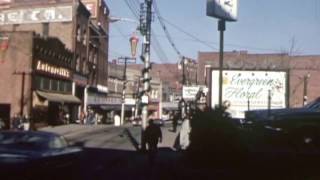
[23,140]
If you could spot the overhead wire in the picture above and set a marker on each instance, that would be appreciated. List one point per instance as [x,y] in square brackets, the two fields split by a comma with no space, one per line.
[170,39]
[134,8]
[189,34]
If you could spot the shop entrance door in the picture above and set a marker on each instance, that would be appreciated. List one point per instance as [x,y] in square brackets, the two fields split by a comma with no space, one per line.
[5,114]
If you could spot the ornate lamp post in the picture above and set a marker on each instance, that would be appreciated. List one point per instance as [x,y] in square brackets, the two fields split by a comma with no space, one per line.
[133,45]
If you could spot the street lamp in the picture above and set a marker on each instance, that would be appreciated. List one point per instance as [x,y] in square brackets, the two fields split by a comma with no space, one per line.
[133,45]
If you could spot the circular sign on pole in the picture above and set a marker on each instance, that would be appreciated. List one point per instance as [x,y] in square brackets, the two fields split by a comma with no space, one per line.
[133,44]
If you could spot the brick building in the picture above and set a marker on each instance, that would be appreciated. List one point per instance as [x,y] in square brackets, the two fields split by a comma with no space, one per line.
[37,74]
[303,71]
[81,25]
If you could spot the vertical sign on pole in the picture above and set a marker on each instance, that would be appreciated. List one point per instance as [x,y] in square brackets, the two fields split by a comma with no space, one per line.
[224,10]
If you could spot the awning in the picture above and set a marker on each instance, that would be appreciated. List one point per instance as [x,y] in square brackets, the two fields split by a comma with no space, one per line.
[116,107]
[60,98]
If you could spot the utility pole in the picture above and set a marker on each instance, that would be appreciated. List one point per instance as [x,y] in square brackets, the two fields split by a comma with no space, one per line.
[221,28]
[183,71]
[137,98]
[23,76]
[145,27]
[124,86]
[305,89]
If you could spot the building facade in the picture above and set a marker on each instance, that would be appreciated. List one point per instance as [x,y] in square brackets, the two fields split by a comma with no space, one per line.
[82,26]
[38,74]
[303,71]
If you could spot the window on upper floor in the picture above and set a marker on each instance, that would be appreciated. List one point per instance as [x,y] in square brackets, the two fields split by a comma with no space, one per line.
[78,33]
[78,63]
[84,40]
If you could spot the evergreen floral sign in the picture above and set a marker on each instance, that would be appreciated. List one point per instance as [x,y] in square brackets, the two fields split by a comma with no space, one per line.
[251,89]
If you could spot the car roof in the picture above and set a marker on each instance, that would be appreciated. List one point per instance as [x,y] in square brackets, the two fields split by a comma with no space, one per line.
[35,133]
[281,113]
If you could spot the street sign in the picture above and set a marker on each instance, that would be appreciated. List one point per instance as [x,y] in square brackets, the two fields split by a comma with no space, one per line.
[145,99]
[223,9]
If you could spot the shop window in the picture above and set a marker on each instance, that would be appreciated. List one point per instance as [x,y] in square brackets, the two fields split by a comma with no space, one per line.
[45,83]
[54,85]
[61,86]
[38,82]
[68,87]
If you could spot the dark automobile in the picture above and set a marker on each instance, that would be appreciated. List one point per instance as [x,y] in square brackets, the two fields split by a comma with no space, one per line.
[159,122]
[35,154]
[294,130]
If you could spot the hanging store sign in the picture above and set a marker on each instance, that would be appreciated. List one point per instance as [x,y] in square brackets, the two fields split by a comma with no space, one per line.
[54,70]
[36,15]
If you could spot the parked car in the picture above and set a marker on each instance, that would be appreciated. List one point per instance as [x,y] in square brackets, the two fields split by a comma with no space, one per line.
[296,130]
[136,121]
[159,122]
[35,154]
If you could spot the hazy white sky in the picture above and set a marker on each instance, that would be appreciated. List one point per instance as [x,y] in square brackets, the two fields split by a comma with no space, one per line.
[262,27]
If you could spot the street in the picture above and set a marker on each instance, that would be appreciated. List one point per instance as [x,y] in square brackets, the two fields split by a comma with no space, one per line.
[111,153]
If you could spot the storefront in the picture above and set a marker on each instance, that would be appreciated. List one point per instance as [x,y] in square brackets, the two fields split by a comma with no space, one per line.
[52,96]
[52,100]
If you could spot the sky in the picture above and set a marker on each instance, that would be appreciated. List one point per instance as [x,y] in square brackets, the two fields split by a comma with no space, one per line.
[273,26]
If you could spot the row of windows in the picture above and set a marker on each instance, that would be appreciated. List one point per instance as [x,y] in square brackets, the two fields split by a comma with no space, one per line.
[49,84]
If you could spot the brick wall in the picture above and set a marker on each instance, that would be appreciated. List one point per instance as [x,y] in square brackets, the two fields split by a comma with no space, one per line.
[18,58]
[298,67]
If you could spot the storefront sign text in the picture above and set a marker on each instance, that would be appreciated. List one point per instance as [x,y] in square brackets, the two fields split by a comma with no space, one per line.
[36,15]
[54,70]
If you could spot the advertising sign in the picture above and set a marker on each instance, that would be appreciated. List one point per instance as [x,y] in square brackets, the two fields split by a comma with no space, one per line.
[190,92]
[250,89]
[36,15]
[53,70]
[223,9]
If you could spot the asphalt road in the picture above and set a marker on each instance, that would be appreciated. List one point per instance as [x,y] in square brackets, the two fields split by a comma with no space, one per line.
[111,153]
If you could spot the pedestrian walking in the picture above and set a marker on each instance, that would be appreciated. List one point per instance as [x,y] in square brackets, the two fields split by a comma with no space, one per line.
[153,136]
[175,122]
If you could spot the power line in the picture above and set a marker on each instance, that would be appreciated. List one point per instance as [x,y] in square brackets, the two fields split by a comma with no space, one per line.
[133,6]
[133,10]
[165,29]
[190,35]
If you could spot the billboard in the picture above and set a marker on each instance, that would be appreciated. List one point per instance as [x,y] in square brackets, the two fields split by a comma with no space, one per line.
[223,9]
[250,90]
[36,15]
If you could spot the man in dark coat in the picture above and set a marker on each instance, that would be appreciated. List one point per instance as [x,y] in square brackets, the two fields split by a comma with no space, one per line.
[153,136]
